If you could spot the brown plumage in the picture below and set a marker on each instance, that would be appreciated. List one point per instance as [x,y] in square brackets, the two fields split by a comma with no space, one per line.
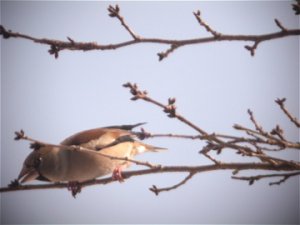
[59,164]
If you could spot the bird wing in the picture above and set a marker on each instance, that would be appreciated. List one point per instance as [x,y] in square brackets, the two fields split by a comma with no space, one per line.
[125,127]
[118,140]
[96,138]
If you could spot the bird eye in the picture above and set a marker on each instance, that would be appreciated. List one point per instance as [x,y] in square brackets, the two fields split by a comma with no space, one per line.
[37,162]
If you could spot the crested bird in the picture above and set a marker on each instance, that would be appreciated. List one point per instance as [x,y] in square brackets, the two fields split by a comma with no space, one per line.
[59,164]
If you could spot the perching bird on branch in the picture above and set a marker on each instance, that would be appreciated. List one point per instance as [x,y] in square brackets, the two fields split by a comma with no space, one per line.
[58,164]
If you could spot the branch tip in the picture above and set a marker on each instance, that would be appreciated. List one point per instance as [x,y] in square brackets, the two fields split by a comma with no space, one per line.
[54,50]
[280,101]
[205,25]
[19,135]
[71,40]
[252,48]
[154,189]
[278,23]
[163,55]
[6,34]
[113,11]
[292,118]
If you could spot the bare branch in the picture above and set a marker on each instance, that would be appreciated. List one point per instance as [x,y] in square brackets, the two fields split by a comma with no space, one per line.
[165,54]
[56,45]
[143,134]
[205,25]
[284,176]
[294,120]
[270,140]
[257,126]
[252,48]
[278,23]
[211,158]
[169,109]
[156,190]
[279,132]
[115,12]
[162,169]
[216,142]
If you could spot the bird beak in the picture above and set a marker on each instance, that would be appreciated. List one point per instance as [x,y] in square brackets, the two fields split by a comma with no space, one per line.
[27,174]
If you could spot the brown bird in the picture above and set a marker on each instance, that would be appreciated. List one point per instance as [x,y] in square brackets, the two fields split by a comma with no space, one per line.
[60,164]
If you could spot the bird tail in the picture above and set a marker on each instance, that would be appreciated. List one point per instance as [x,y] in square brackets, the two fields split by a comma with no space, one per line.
[142,147]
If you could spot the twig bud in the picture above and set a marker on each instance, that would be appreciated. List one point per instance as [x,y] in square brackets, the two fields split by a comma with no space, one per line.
[251,181]
[154,189]
[113,11]
[19,135]
[4,33]
[161,56]
[280,101]
[54,50]
[171,101]
[237,127]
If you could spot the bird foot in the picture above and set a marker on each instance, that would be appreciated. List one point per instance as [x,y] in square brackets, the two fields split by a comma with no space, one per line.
[117,174]
[74,187]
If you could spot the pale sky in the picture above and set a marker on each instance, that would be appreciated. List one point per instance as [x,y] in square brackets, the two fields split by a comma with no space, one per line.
[214,85]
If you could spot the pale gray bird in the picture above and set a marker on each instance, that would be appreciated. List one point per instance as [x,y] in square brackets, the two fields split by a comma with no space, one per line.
[59,164]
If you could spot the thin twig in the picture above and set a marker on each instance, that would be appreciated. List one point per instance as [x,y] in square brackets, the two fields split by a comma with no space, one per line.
[252,48]
[143,134]
[156,190]
[205,25]
[115,12]
[211,158]
[278,23]
[169,109]
[271,140]
[294,120]
[162,55]
[257,126]
[251,179]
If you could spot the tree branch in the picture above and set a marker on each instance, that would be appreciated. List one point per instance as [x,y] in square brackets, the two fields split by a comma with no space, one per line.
[143,134]
[293,119]
[162,169]
[156,190]
[57,46]
[284,176]
[205,25]
[215,142]
[115,12]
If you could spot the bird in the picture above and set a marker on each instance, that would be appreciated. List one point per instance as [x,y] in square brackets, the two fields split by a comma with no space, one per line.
[59,164]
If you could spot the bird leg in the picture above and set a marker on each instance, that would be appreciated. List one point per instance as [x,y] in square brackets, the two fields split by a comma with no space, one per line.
[74,187]
[117,174]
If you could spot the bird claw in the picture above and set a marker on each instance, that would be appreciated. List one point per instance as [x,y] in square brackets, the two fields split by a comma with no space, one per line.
[74,187]
[117,174]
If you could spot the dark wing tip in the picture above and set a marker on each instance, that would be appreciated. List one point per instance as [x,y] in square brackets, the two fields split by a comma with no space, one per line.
[126,127]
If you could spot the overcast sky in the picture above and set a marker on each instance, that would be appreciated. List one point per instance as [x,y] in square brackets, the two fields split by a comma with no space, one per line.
[214,85]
